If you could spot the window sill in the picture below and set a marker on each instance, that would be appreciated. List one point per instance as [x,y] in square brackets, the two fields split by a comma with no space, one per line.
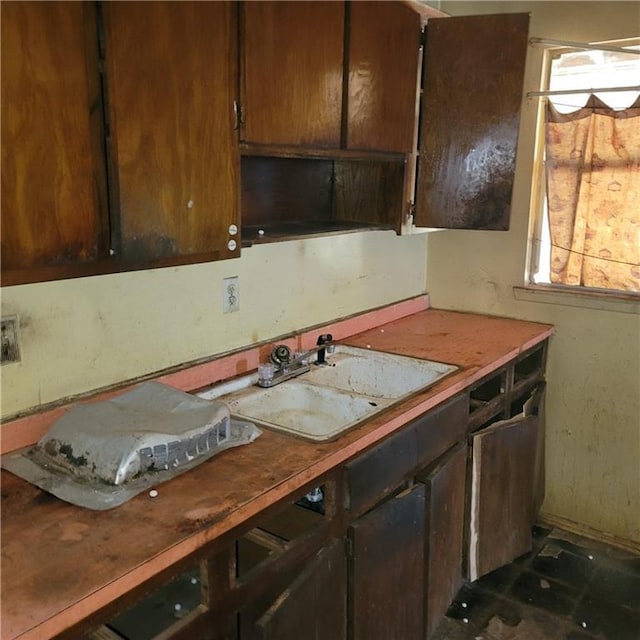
[553,294]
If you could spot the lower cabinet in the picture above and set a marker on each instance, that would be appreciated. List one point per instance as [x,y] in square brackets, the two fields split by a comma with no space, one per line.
[444,532]
[288,577]
[312,606]
[502,491]
[506,473]
[406,506]
[386,569]
[449,497]
[406,553]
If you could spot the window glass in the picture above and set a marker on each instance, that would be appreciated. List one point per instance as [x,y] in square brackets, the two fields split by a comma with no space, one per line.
[593,70]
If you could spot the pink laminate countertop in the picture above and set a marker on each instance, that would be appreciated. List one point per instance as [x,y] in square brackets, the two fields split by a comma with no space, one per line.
[61,563]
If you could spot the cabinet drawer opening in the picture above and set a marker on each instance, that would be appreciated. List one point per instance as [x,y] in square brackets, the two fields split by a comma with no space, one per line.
[293,527]
[517,404]
[161,609]
[487,401]
[486,391]
[530,365]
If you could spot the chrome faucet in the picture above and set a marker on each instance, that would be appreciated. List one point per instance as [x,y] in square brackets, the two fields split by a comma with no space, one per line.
[283,365]
[323,346]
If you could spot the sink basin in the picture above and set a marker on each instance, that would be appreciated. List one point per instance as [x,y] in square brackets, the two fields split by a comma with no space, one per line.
[312,411]
[329,399]
[375,373]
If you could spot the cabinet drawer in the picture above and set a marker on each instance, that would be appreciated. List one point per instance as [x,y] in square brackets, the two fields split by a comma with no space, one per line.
[438,430]
[384,468]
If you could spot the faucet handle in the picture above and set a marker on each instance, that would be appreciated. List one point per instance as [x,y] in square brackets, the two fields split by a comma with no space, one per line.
[280,355]
[265,374]
[324,338]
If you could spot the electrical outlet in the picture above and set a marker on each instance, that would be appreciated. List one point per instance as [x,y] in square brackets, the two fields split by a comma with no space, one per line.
[230,294]
[10,343]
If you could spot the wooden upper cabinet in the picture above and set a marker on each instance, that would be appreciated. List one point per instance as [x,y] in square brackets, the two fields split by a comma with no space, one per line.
[53,204]
[292,73]
[384,63]
[171,79]
[472,92]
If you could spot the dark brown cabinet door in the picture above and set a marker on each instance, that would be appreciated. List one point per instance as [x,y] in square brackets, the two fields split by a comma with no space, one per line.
[387,569]
[171,83]
[384,48]
[445,507]
[314,605]
[473,76]
[52,169]
[292,73]
[536,407]
[503,481]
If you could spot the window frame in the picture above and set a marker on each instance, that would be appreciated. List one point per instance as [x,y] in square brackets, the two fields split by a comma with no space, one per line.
[555,293]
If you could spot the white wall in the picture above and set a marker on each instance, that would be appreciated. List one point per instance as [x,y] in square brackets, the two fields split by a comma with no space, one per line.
[87,333]
[593,401]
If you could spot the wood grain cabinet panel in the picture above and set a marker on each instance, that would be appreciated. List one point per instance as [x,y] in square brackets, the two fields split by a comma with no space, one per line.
[381,470]
[387,569]
[314,605]
[53,197]
[444,533]
[292,73]
[384,56]
[502,494]
[472,91]
[466,106]
[171,84]
[377,473]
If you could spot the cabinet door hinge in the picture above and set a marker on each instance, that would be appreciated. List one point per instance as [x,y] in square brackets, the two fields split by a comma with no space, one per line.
[348,547]
[423,36]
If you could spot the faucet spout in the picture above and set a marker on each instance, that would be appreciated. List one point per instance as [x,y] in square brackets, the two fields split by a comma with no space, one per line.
[323,346]
[324,342]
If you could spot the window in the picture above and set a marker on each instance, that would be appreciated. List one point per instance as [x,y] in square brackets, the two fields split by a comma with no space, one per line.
[587,232]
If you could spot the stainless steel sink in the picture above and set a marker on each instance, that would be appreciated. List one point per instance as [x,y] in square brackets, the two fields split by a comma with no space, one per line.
[319,405]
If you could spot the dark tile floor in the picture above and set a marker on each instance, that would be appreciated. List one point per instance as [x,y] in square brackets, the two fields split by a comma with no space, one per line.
[567,588]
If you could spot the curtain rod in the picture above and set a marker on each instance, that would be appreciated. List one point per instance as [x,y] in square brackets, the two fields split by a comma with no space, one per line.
[548,42]
[570,92]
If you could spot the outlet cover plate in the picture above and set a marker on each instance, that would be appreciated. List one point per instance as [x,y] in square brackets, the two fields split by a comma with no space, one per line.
[10,351]
[230,294]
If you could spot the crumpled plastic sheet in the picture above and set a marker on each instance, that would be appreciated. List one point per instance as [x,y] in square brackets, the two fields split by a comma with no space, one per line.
[101,454]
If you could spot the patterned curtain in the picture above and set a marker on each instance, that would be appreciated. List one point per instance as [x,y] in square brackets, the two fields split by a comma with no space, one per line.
[593,195]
